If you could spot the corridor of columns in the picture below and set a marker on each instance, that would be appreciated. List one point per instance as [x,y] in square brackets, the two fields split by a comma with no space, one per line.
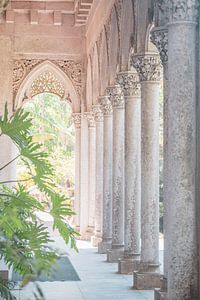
[130,71]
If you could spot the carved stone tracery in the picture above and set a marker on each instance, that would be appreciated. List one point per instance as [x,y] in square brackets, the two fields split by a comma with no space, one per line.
[47,82]
[148,67]
[23,67]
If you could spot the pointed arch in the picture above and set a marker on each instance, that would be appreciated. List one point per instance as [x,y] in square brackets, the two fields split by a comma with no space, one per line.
[103,58]
[69,92]
[95,75]
[89,85]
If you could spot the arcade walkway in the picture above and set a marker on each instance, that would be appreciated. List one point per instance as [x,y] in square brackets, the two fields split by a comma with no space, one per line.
[98,279]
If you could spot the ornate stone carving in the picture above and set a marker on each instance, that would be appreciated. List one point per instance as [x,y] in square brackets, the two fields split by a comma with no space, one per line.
[179,10]
[97,110]
[148,66]
[23,67]
[116,96]
[47,82]
[91,118]
[129,83]
[77,119]
[106,105]
[159,37]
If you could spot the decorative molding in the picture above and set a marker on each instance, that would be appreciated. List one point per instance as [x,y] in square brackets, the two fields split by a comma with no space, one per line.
[47,82]
[91,118]
[23,67]
[179,10]
[116,96]
[130,84]
[159,37]
[97,110]
[106,105]
[148,67]
[118,5]
[77,119]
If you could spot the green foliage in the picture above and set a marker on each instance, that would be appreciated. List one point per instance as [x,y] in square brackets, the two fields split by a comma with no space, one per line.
[23,239]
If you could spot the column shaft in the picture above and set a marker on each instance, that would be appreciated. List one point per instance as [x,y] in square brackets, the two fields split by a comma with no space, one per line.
[107,175]
[117,100]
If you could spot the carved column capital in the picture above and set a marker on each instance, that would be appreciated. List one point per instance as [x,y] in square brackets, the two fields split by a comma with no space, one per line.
[77,119]
[116,96]
[129,82]
[159,37]
[106,105]
[91,118]
[179,10]
[148,67]
[97,111]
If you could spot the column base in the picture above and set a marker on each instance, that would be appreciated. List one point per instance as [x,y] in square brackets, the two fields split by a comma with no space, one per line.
[89,233]
[114,254]
[147,280]
[128,266]
[104,246]
[160,295]
[95,240]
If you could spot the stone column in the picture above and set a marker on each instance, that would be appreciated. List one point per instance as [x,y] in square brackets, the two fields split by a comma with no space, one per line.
[117,100]
[148,67]
[77,122]
[107,175]
[84,164]
[130,85]
[182,247]
[92,171]
[99,175]
[159,37]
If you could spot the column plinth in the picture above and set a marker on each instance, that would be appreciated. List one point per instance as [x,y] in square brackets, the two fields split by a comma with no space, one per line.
[105,244]
[148,68]
[117,100]
[130,86]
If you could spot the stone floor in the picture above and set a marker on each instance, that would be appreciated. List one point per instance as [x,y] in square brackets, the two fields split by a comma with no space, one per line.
[99,279]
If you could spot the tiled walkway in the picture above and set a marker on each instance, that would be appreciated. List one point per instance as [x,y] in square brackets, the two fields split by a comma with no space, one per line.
[99,280]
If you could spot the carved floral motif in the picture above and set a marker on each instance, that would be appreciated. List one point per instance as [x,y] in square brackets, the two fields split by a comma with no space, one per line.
[23,67]
[148,67]
[129,83]
[97,110]
[106,105]
[91,118]
[47,82]
[159,37]
[179,10]
[116,96]
[77,119]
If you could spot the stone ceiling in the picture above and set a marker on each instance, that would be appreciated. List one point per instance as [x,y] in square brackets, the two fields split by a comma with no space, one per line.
[49,11]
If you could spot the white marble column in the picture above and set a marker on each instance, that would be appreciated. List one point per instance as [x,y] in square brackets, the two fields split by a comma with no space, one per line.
[117,100]
[182,248]
[84,165]
[92,171]
[148,67]
[107,175]
[77,123]
[159,37]
[97,238]
[130,85]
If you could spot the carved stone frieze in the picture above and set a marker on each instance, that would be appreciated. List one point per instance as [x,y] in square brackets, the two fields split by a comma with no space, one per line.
[179,10]
[47,82]
[116,96]
[97,110]
[159,37]
[129,82]
[90,116]
[148,66]
[23,67]
[106,105]
[77,119]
